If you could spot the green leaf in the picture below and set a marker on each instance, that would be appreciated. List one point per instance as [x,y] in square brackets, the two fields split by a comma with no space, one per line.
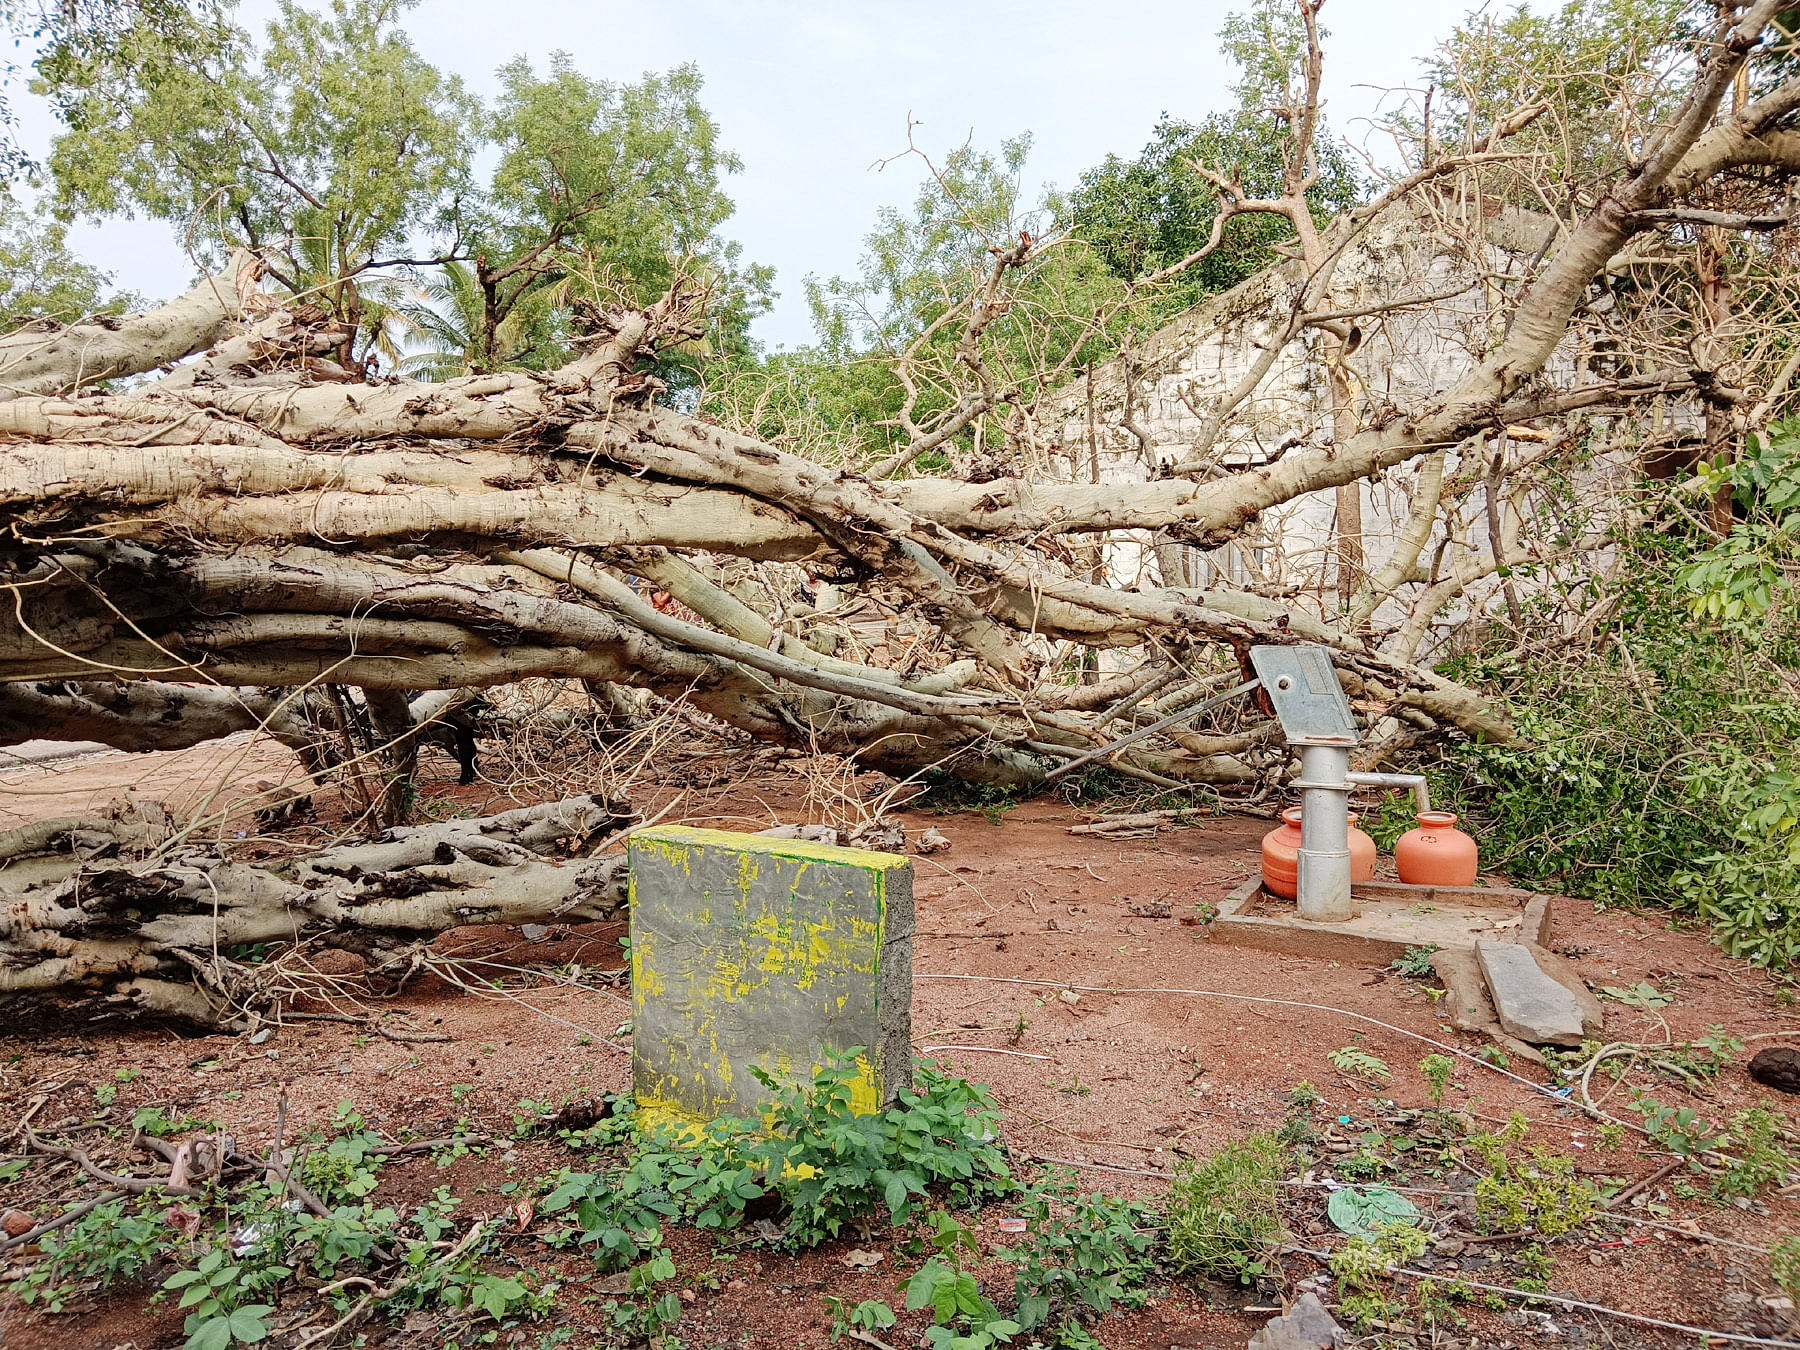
[212,1334]
[895,1195]
[247,1322]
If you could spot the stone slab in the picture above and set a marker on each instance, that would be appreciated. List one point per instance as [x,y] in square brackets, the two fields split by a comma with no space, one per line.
[1529,1004]
[1305,1326]
[1562,970]
[752,952]
[1466,1001]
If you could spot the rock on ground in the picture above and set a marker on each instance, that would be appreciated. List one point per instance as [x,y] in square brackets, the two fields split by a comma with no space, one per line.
[1530,1004]
[1306,1326]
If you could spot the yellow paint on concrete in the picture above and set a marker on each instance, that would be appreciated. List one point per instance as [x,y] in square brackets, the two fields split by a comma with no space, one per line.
[675,836]
[786,955]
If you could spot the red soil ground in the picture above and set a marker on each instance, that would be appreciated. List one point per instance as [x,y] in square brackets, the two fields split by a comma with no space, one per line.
[1013,914]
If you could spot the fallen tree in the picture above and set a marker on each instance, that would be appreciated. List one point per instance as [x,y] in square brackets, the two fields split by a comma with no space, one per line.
[135,916]
[221,548]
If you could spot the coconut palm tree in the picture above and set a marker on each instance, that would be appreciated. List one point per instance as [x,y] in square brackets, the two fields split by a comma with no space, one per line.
[435,325]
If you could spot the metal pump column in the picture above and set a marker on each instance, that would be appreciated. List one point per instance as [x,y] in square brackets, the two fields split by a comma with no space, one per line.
[1314,713]
[1322,891]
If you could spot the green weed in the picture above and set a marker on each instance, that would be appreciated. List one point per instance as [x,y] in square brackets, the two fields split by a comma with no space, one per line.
[1222,1212]
[1084,1253]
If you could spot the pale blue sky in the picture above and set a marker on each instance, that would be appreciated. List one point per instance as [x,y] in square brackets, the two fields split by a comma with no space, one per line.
[811,93]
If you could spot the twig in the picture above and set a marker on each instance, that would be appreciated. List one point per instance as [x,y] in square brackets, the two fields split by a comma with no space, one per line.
[1648,1181]
[1532,1296]
[294,1186]
[1114,747]
[1108,1167]
[377,1294]
[409,1037]
[66,1217]
[432,1145]
[78,1156]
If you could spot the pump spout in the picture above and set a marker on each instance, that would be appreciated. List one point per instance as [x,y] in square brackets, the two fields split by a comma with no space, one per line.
[1416,781]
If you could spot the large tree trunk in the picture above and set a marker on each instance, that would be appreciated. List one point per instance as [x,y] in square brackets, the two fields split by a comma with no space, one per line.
[44,358]
[140,919]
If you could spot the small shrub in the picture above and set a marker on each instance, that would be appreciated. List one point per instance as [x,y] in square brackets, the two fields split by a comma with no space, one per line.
[1541,1192]
[1361,1265]
[827,1164]
[869,1315]
[104,1247]
[833,1167]
[1755,1160]
[1784,1266]
[1223,1216]
[1437,1070]
[962,1318]
[1355,1060]
[1414,962]
[219,1290]
[1083,1253]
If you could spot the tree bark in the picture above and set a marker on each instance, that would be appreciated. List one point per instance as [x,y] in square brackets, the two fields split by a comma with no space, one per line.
[139,923]
[39,359]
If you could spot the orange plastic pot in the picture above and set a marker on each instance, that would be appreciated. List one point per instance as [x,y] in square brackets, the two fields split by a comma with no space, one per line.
[1362,853]
[1281,855]
[1437,853]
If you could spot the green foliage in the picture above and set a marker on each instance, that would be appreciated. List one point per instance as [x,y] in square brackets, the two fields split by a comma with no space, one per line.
[40,278]
[644,1313]
[330,141]
[219,1290]
[1662,767]
[1362,1263]
[1083,1253]
[152,1120]
[869,1315]
[828,1165]
[231,1273]
[1222,1212]
[1414,962]
[836,1166]
[335,149]
[1784,1266]
[600,194]
[1354,1059]
[1680,1129]
[1438,1070]
[1639,995]
[105,1246]
[1147,213]
[349,1166]
[924,272]
[1755,1160]
[617,1214]
[1586,60]
[1539,1191]
[962,1318]
[944,793]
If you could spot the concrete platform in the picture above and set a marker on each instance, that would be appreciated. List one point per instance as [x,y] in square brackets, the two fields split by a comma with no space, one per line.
[1391,916]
